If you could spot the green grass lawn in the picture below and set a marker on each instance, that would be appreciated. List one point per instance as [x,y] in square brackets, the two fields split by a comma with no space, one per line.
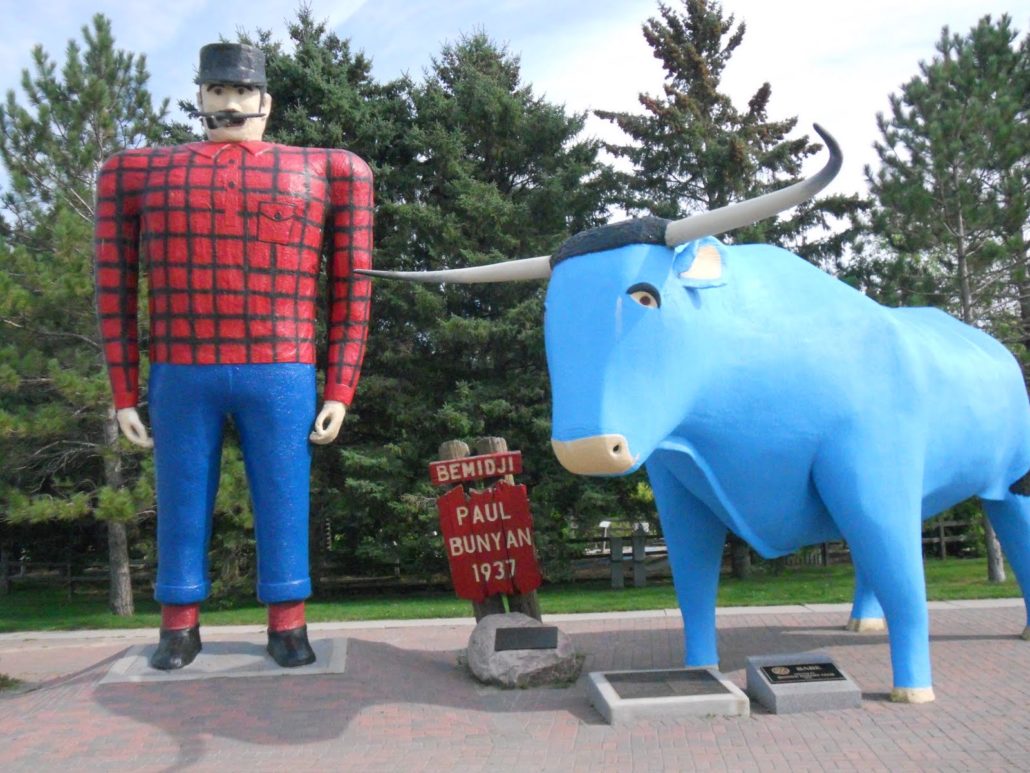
[50,609]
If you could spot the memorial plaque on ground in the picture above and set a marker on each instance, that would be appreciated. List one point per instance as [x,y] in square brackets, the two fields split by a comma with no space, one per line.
[625,696]
[802,672]
[542,638]
[664,684]
[807,681]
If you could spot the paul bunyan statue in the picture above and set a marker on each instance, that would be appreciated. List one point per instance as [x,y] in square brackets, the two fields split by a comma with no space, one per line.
[231,232]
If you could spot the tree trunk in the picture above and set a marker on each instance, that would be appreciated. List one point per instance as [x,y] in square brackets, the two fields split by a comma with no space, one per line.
[740,557]
[120,589]
[5,582]
[995,563]
[1023,289]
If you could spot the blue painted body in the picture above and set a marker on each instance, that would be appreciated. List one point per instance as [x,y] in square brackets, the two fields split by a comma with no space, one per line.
[781,404]
[273,407]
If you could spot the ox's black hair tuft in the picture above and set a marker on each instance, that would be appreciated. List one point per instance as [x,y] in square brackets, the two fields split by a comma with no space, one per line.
[641,230]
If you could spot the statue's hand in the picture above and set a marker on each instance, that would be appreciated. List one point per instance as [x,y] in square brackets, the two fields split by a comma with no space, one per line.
[327,424]
[133,428]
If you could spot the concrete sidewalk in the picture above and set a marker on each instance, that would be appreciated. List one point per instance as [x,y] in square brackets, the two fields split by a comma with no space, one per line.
[404,704]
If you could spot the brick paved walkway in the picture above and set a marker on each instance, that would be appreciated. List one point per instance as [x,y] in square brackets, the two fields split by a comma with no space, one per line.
[404,705]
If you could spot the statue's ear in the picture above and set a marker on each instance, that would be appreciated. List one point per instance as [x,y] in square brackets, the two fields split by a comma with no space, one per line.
[700,263]
[266,104]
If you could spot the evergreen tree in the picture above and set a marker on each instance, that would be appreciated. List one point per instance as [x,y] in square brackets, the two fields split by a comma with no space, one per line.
[324,95]
[693,150]
[470,167]
[490,172]
[952,194]
[58,437]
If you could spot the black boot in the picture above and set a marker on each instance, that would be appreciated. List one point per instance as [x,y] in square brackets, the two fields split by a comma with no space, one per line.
[290,648]
[176,648]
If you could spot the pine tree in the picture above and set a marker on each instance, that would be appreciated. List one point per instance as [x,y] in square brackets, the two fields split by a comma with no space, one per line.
[952,194]
[491,172]
[324,95]
[693,150]
[62,456]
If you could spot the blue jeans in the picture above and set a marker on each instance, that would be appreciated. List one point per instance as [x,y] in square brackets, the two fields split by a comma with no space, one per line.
[273,408]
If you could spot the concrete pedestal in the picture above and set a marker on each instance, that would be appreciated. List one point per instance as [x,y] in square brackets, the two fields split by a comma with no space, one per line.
[807,681]
[627,696]
[226,659]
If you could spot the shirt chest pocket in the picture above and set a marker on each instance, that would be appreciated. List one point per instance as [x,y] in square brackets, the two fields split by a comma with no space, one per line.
[280,221]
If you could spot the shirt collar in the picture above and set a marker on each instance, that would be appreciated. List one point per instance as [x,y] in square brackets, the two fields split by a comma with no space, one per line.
[213,149]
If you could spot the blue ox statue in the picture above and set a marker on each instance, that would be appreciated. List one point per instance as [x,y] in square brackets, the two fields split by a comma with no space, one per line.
[771,400]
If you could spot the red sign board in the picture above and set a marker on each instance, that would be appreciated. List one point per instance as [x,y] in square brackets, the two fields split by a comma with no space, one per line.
[476,468]
[488,537]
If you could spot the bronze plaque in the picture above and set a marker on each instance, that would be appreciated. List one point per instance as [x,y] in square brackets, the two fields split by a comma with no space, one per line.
[665,684]
[802,672]
[535,638]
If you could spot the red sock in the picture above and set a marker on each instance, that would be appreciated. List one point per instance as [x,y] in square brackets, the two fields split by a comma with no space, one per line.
[176,617]
[286,616]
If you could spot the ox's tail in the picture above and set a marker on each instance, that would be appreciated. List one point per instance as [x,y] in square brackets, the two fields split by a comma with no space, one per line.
[1022,486]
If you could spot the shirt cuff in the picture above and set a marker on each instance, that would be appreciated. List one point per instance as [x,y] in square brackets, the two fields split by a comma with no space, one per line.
[341,393]
[125,400]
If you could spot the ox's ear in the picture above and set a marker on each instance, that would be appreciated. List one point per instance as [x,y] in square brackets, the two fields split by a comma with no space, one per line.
[700,263]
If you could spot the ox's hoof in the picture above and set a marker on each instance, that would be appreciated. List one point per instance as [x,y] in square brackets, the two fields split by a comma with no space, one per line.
[912,695]
[1026,634]
[866,625]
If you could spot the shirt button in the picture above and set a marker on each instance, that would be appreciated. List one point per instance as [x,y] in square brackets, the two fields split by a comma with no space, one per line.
[231,185]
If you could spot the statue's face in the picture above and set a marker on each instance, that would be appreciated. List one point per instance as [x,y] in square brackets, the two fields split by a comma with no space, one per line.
[230,98]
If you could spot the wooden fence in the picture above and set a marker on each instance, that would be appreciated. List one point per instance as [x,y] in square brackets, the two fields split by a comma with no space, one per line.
[634,558]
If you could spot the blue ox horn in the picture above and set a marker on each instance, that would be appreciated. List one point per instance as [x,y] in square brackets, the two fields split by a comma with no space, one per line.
[677,232]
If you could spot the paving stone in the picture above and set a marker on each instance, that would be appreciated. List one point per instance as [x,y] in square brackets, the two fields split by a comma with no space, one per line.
[404,703]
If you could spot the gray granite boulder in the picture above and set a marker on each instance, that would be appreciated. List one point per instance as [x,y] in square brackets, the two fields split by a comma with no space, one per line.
[519,667]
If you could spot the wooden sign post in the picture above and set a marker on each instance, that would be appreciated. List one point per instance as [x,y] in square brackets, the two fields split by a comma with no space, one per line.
[488,533]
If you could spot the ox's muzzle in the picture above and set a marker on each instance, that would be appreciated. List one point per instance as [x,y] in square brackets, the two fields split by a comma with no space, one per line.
[595,455]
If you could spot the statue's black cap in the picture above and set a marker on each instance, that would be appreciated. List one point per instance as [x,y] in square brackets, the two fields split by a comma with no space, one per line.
[235,63]
[642,230]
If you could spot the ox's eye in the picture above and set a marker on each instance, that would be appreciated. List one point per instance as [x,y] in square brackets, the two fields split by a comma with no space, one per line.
[646,295]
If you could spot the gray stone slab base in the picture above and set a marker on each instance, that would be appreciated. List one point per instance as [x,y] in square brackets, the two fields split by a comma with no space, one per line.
[789,698]
[226,659]
[719,696]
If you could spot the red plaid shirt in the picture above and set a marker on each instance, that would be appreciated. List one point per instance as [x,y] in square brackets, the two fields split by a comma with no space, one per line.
[231,235]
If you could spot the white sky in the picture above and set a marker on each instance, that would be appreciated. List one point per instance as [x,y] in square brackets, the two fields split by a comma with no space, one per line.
[832,63]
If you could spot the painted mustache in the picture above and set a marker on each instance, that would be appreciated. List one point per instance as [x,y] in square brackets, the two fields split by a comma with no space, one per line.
[219,119]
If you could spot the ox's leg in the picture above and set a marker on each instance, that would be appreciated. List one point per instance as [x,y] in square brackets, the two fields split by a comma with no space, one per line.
[695,539]
[866,612]
[1011,521]
[872,494]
